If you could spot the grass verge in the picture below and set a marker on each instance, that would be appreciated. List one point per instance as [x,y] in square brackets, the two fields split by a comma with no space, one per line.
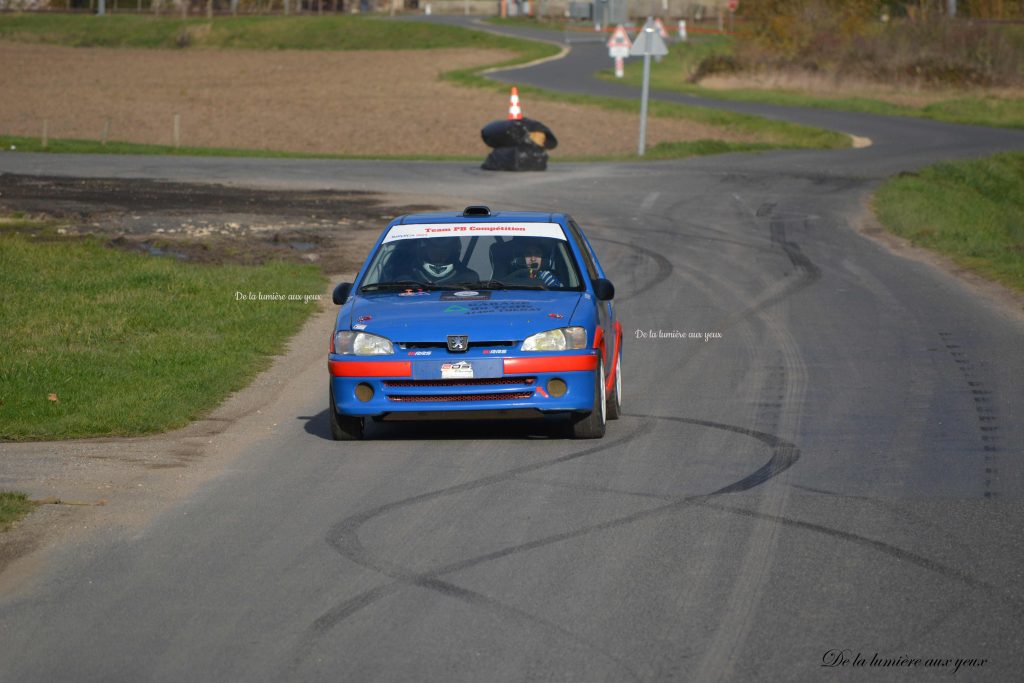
[13,506]
[345,32]
[683,60]
[971,211]
[102,342]
[773,134]
[14,143]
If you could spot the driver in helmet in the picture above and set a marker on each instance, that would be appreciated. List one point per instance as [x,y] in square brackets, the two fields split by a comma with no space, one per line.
[437,262]
[532,263]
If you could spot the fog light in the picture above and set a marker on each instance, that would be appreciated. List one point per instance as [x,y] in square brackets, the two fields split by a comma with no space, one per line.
[364,392]
[557,388]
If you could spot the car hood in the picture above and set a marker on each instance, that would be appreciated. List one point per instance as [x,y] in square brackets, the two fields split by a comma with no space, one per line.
[492,315]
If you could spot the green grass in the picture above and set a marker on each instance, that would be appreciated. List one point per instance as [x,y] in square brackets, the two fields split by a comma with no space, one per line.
[345,32]
[13,506]
[127,343]
[972,211]
[672,72]
[69,146]
[772,134]
[549,23]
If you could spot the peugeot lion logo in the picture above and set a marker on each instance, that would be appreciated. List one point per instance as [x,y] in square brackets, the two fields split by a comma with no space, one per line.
[458,342]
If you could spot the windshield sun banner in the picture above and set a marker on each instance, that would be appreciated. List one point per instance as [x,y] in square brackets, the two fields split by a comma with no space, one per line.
[419,231]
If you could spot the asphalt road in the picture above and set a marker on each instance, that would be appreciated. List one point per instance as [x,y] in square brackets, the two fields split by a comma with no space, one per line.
[840,470]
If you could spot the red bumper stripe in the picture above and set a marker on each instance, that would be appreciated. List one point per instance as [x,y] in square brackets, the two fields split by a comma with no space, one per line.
[615,358]
[515,366]
[362,368]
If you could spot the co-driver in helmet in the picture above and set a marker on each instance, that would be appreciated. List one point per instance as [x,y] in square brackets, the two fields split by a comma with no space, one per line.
[531,263]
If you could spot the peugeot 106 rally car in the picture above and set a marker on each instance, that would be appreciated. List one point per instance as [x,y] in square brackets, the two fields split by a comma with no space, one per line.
[477,314]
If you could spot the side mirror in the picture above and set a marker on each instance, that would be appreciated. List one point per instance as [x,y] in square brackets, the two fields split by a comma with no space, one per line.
[604,290]
[341,292]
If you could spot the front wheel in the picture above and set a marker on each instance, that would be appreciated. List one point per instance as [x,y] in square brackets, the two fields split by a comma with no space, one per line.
[592,425]
[344,427]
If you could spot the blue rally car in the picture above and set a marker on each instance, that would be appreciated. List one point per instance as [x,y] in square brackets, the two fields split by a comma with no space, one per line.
[477,314]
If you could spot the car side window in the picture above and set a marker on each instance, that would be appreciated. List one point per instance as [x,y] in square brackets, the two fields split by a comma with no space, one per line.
[375,273]
[588,261]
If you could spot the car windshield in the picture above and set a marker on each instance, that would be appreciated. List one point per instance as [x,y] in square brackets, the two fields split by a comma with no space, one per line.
[415,257]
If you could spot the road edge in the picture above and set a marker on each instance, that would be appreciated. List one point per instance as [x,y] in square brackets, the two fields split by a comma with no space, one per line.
[1003,299]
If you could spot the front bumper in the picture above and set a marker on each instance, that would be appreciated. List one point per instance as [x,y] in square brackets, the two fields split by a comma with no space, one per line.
[369,387]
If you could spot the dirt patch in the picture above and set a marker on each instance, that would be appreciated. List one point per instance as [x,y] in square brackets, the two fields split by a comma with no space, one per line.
[352,102]
[207,223]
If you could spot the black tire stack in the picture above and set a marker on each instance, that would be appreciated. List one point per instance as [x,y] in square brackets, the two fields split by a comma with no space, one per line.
[519,145]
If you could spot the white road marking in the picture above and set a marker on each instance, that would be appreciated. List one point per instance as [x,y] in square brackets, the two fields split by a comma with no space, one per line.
[649,200]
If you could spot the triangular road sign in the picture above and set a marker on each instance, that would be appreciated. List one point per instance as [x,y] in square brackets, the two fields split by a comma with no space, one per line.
[648,42]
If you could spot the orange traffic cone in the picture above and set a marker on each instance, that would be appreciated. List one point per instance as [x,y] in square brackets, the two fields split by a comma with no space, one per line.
[514,112]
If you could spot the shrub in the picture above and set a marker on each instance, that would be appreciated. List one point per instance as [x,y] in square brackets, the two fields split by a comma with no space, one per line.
[849,38]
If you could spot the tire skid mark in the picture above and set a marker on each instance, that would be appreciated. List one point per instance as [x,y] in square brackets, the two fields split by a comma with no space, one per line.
[664,267]
[344,610]
[344,539]
[680,213]
[987,414]
[784,453]
[807,273]
[895,552]
[781,409]
[683,208]
[963,549]
[692,236]
[480,600]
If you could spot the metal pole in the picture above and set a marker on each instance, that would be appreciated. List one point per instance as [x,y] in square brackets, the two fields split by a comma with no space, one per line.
[102,8]
[643,106]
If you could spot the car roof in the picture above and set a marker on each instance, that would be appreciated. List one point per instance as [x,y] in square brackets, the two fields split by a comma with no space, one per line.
[494,217]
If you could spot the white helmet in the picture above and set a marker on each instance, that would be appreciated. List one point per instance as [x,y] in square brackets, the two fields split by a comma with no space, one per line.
[438,256]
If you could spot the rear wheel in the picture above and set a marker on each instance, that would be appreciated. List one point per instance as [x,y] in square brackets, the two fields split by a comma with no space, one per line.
[615,398]
[344,427]
[592,425]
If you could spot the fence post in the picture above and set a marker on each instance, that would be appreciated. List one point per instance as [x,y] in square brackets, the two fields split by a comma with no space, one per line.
[177,131]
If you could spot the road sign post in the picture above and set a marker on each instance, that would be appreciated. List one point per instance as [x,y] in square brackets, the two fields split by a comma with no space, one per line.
[648,44]
[618,48]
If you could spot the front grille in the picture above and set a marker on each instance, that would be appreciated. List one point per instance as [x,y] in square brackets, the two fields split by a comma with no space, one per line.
[444,344]
[519,395]
[468,382]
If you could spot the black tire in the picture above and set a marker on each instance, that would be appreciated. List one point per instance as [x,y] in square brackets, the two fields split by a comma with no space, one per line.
[343,427]
[592,425]
[615,397]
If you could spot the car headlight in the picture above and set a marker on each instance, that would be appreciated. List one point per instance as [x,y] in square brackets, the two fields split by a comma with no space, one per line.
[562,339]
[361,344]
